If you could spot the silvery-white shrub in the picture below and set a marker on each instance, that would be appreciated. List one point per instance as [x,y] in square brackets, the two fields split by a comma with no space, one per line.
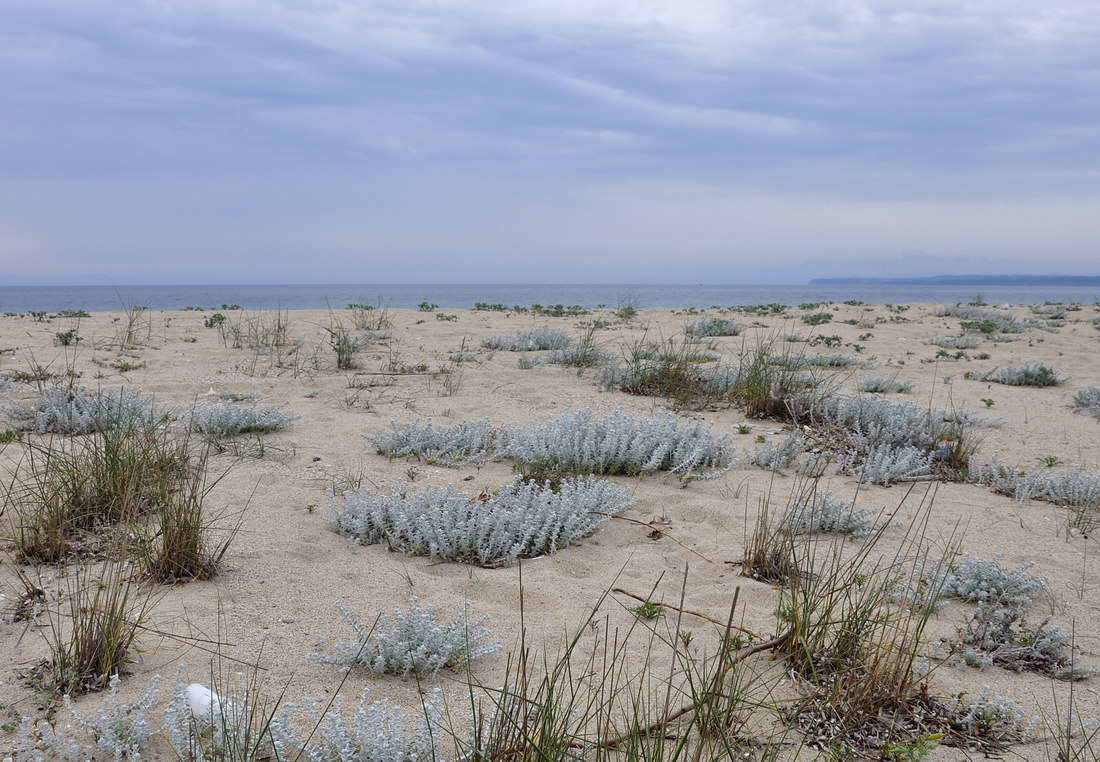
[886,463]
[63,409]
[981,580]
[228,419]
[865,422]
[520,521]
[819,513]
[998,635]
[1003,321]
[113,732]
[412,641]
[954,342]
[1089,400]
[379,731]
[779,457]
[1070,487]
[1050,311]
[881,385]
[997,718]
[713,327]
[1035,374]
[833,360]
[533,340]
[619,444]
[453,446]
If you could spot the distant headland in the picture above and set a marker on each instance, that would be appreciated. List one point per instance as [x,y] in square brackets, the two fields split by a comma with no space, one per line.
[967,280]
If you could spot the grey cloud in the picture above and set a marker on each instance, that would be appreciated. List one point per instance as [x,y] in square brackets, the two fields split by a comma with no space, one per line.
[594,134]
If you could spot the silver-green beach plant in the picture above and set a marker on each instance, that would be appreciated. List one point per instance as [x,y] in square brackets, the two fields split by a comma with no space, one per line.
[576,443]
[521,520]
[75,409]
[412,641]
[619,444]
[224,419]
[379,731]
[452,446]
[533,340]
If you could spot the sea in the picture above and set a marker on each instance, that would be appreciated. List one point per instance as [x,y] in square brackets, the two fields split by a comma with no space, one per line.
[22,299]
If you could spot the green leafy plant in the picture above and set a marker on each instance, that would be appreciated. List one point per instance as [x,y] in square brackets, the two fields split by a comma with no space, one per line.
[647,611]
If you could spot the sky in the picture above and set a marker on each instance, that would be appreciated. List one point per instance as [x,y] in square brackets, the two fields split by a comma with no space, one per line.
[560,141]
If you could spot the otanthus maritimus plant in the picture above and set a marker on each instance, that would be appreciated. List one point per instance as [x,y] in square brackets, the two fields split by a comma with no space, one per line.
[522,520]
[533,340]
[412,642]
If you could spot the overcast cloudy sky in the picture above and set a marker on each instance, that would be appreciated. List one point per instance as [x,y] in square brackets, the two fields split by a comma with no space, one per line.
[625,141]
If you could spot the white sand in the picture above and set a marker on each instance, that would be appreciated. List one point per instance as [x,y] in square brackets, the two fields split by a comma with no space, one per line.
[274,601]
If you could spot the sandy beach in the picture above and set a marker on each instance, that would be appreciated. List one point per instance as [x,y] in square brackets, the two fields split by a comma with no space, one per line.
[273,601]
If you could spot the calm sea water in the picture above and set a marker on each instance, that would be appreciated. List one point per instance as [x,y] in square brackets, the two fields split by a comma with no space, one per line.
[300,297]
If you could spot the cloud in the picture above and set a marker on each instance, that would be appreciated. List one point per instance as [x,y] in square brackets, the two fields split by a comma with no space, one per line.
[644,131]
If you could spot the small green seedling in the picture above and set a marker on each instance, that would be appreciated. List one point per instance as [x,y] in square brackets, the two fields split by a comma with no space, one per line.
[647,611]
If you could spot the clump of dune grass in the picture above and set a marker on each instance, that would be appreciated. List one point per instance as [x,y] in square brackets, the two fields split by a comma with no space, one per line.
[265,330]
[1036,374]
[370,317]
[854,647]
[769,553]
[104,613]
[584,352]
[181,539]
[595,701]
[767,379]
[67,491]
[673,369]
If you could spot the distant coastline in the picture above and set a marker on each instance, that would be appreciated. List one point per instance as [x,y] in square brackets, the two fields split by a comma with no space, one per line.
[967,280]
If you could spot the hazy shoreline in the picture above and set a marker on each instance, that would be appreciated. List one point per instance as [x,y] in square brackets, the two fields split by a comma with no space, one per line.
[22,299]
